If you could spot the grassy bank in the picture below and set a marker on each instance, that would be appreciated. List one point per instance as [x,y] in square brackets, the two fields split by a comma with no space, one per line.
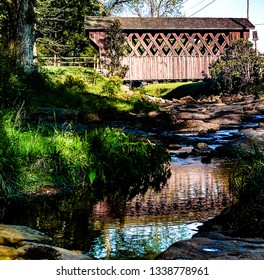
[85,90]
[45,156]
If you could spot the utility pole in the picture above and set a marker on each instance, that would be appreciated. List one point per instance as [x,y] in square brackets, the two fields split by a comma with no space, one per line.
[247,9]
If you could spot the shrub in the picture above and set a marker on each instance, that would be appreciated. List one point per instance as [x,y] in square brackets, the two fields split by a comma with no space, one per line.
[74,82]
[113,85]
[237,70]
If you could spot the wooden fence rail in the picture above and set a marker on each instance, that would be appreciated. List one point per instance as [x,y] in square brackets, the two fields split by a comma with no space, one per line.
[59,61]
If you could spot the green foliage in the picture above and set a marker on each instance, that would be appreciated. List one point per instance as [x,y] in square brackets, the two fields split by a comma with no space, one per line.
[115,49]
[3,25]
[74,82]
[113,85]
[247,181]
[9,165]
[85,90]
[14,87]
[143,106]
[237,70]
[60,26]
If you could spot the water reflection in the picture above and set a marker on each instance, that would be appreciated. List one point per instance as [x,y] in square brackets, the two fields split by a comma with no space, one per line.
[152,222]
[117,228]
[139,238]
[195,187]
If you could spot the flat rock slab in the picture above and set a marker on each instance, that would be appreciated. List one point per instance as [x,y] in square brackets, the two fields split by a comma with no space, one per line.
[215,246]
[24,243]
[14,234]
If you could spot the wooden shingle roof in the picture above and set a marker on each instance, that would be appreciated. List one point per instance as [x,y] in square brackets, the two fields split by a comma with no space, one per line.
[93,23]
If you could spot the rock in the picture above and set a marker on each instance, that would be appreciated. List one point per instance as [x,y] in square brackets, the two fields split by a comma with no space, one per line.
[224,151]
[202,149]
[206,159]
[256,134]
[21,242]
[14,234]
[201,146]
[153,114]
[198,125]
[183,155]
[192,116]
[85,117]
[228,120]
[34,251]
[227,99]
[210,99]
[175,146]
[215,246]
[188,100]
[177,101]
[248,98]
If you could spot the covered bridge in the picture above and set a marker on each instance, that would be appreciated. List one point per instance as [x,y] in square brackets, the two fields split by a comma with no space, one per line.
[178,48]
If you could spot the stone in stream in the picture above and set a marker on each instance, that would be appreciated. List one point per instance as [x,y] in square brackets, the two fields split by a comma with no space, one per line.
[202,149]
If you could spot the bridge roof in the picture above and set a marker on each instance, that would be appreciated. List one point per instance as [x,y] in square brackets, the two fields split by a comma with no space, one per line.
[94,23]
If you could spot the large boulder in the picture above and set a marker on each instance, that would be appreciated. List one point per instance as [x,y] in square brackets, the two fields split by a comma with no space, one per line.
[215,246]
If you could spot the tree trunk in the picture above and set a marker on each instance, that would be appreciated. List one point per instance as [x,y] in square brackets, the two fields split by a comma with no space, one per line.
[21,32]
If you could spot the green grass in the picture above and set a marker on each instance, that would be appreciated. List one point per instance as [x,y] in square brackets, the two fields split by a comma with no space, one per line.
[247,181]
[83,89]
[93,82]
[44,156]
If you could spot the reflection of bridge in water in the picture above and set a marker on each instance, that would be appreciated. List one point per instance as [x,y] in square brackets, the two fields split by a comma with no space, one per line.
[149,224]
[191,188]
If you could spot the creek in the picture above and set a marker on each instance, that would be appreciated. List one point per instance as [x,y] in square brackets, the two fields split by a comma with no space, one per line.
[114,227]
[140,228]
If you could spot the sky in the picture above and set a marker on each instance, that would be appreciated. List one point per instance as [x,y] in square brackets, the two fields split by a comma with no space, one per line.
[230,8]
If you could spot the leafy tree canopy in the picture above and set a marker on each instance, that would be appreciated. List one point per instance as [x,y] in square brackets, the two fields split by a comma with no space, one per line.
[60,25]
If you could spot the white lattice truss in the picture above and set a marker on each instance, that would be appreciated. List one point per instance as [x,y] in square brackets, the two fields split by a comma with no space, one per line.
[173,44]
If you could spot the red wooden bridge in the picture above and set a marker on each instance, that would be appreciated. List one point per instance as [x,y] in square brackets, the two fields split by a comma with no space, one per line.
[170,48]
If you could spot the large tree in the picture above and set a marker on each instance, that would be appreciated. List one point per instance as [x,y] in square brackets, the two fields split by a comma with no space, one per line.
[143,8]
[19,22]
[57,25]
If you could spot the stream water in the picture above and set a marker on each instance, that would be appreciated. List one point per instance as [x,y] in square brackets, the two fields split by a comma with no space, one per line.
[144,226]
[136,229]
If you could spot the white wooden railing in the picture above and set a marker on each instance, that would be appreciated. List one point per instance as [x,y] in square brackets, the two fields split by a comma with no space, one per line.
[59,61]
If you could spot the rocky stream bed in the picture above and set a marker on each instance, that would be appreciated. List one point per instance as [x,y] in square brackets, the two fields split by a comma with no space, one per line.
[188,128]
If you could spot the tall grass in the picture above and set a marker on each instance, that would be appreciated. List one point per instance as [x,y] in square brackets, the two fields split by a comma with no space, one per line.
[34,157]
[247,180]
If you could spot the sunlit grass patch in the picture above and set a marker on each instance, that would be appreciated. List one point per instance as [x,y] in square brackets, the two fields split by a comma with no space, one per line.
[161,89]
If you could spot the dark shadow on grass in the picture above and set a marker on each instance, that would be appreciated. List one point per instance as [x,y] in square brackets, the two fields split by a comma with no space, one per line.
[195,90]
